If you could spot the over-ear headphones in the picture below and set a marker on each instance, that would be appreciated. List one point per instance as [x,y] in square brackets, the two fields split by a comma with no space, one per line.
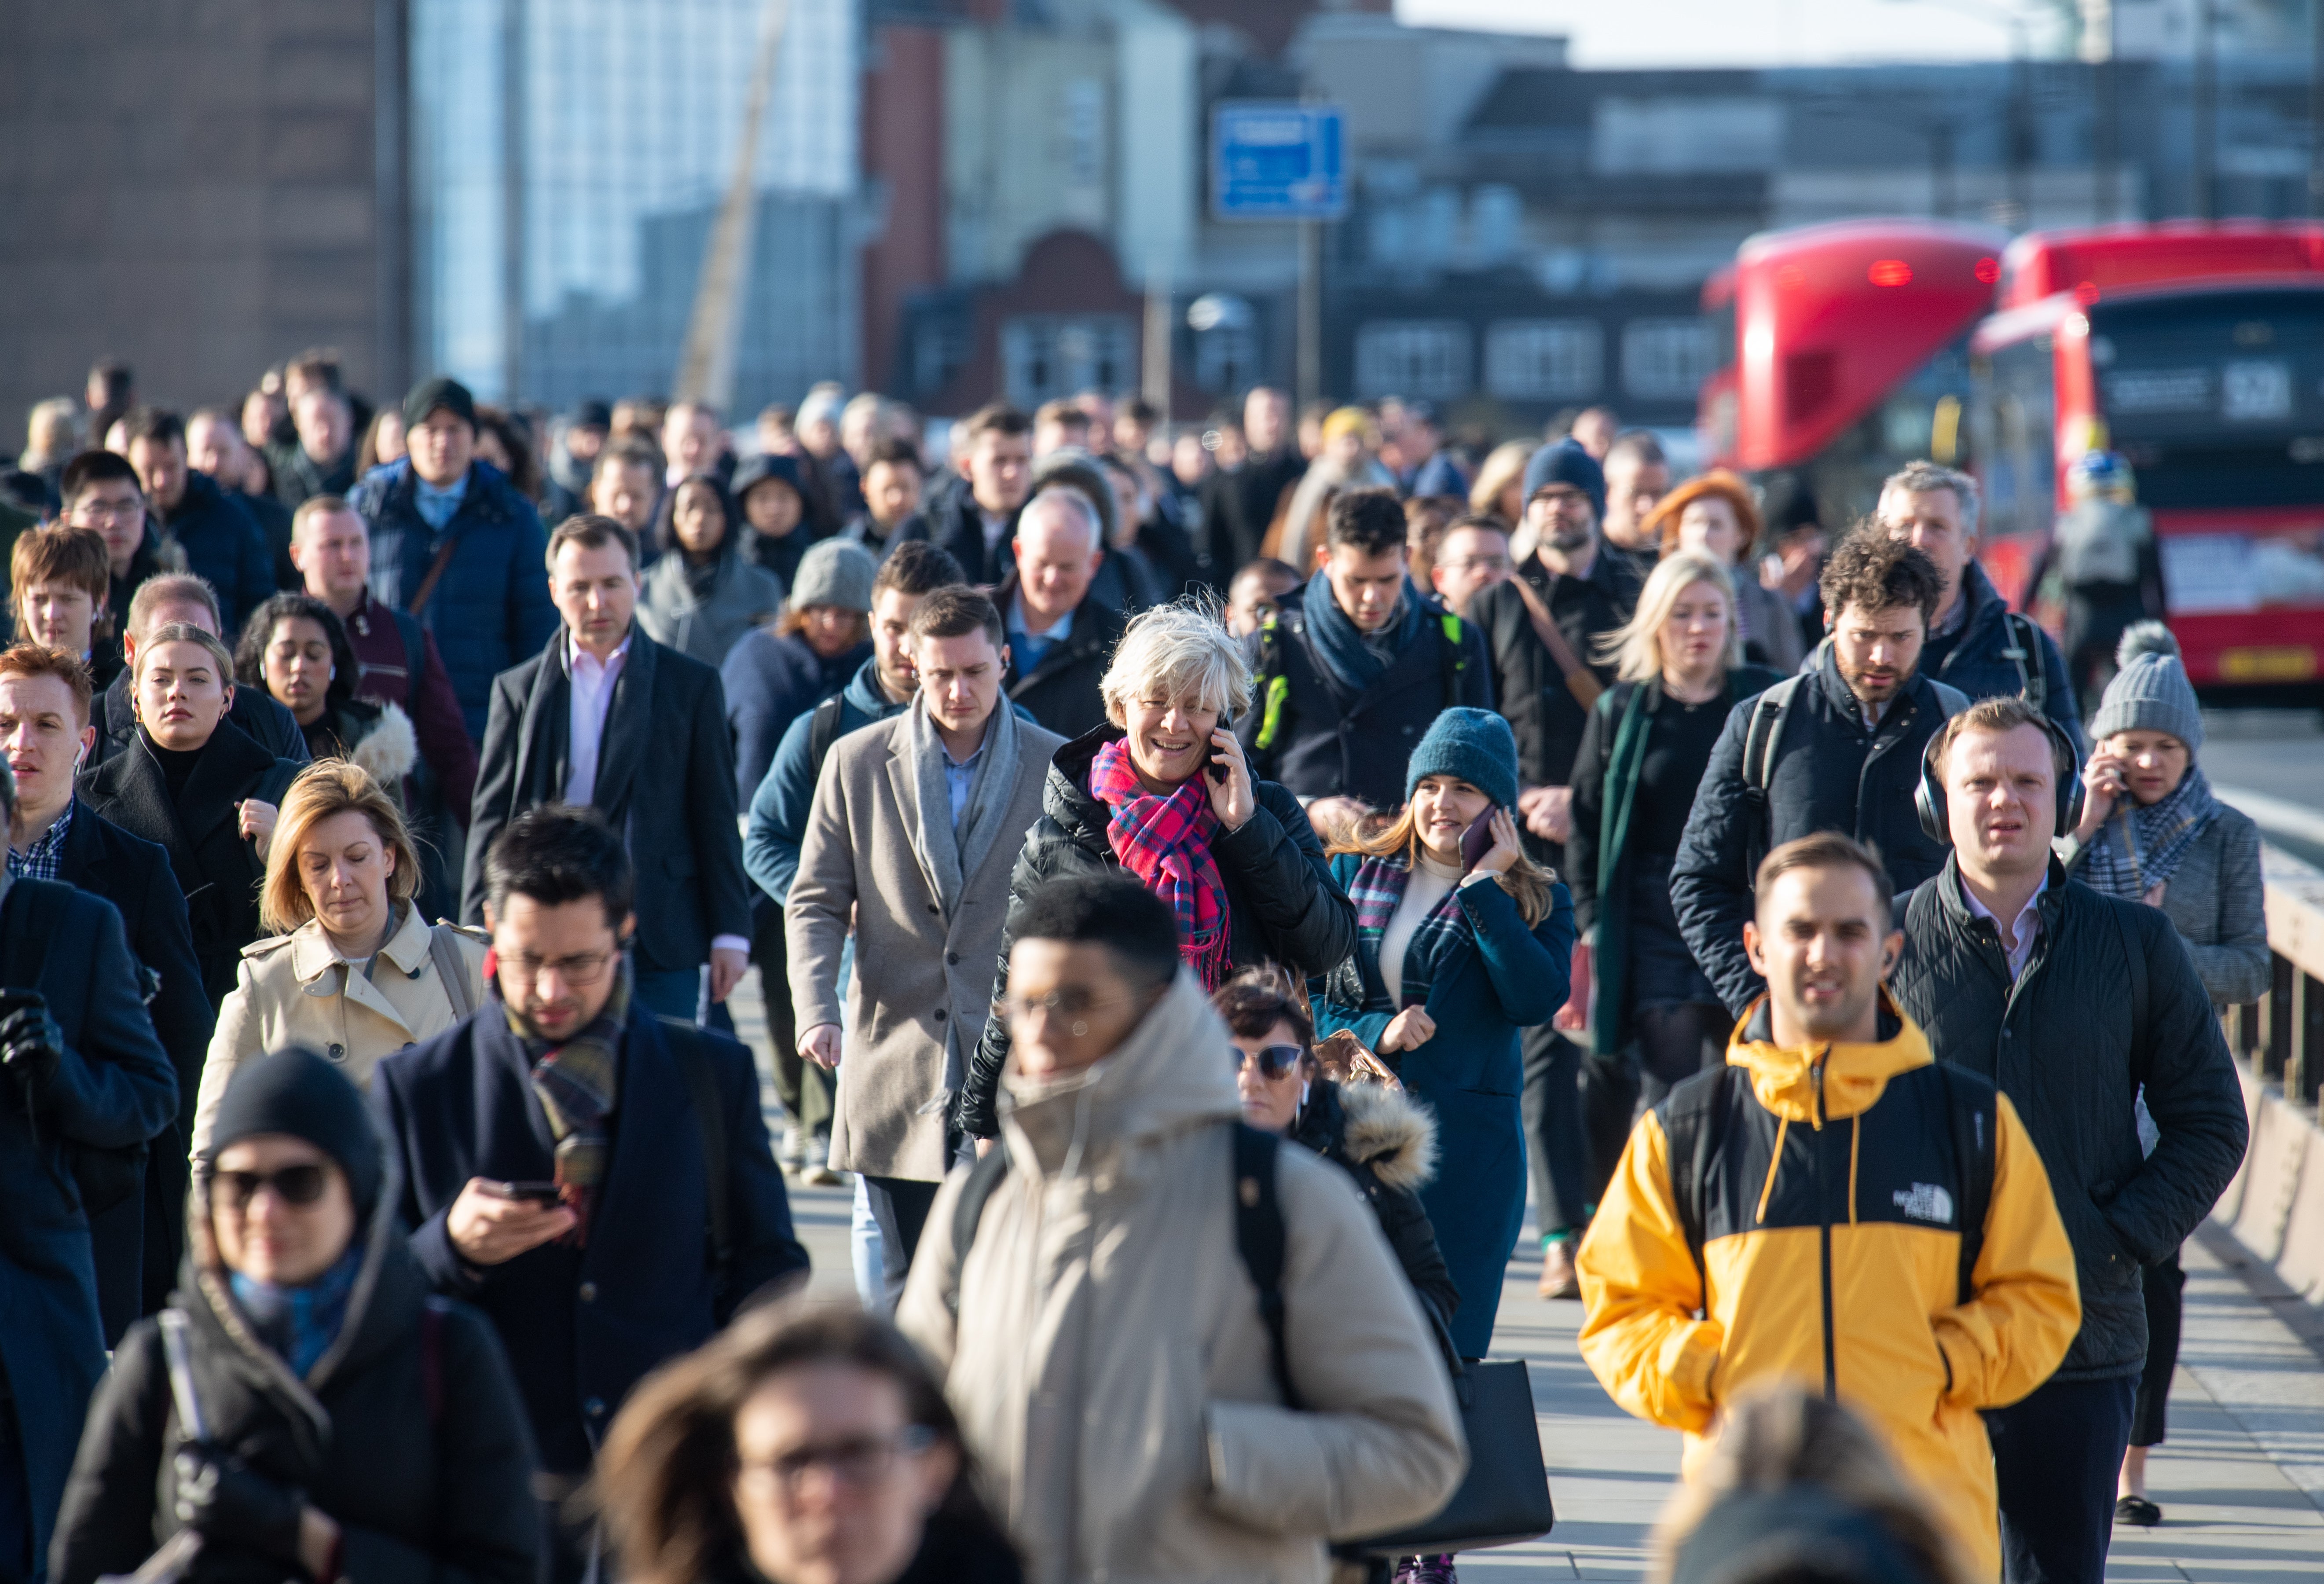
[1928,794]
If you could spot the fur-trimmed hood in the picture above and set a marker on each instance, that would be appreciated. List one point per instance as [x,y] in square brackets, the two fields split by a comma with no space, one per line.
[388,747]
[1390,1133]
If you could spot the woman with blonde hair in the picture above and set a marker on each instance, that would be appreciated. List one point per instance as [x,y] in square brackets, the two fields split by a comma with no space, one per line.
[353,969]
[804,1445]
[1460,941]
[1716,512]
[1162,790]
[1499,489]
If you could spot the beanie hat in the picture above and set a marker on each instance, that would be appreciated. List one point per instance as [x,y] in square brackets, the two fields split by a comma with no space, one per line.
[1564,462]
[1344,421]
[293,1091]
[835,572]
[428,395]
[2150,692]
[1475,745]
[769,464]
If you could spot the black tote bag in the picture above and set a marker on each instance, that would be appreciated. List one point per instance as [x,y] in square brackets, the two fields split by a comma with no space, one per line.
[1503,1498]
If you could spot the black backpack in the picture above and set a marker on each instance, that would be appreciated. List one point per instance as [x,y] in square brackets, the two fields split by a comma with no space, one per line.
[1260,1237]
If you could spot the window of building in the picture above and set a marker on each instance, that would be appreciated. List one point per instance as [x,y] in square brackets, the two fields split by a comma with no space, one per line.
[1545,360]
[1047,355]
[1667,360]
[1413,358]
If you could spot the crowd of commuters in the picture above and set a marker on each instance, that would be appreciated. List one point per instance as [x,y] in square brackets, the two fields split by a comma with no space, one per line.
[1181,866]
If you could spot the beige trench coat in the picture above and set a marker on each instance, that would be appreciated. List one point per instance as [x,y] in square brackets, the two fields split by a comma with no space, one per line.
[923,976]
[1108,1365]
[296,989]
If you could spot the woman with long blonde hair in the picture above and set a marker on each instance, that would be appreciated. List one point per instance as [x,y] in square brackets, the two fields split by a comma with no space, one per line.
[1460,941]
[353,968]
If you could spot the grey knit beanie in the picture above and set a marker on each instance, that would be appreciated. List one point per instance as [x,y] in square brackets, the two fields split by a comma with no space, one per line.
[836,572]
[2150,692]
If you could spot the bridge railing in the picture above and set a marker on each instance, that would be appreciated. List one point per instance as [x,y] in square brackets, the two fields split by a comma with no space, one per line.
[2282,1036]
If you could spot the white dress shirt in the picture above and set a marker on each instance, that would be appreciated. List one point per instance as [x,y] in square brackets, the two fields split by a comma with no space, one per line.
[2028,926]
[591,692]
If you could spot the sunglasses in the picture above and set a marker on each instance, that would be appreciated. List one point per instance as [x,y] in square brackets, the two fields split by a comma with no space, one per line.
[299,1185]
[1274,1060]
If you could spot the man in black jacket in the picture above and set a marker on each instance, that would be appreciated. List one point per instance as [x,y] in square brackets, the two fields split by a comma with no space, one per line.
[1837,747]
[1240,501]
[976,521]
[220,537]
[1354,669]
[2074,1004]
[180,596]
[44,703]
[1975,643]
[1054,672]
[607,717]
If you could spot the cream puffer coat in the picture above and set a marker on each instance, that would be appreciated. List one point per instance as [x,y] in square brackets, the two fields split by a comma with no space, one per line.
[1108,1362]
[297,990]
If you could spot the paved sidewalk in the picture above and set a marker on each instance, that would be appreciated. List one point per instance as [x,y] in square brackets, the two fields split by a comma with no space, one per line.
[2241,1479]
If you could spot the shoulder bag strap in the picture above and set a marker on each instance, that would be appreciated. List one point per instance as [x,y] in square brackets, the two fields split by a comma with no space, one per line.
[436,569]
[444,951]
[822,732]
[968,1210]
[1579,680]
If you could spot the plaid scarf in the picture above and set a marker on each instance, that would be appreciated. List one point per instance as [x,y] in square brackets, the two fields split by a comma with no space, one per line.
[578,1082]
[1165,842]
[2140,848]
[1376,890]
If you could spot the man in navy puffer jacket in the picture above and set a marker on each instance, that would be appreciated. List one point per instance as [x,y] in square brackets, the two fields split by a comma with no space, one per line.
[488,605]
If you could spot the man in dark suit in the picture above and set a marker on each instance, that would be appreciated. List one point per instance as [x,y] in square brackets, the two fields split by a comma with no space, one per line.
[44,701]
[607,717]
[666,1213]
[84,1086]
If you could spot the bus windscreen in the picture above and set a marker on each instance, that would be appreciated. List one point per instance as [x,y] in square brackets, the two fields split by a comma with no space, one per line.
[2216,400]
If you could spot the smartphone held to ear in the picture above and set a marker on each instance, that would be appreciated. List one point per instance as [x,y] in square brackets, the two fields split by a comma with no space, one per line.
[1478,839]
[1215,765]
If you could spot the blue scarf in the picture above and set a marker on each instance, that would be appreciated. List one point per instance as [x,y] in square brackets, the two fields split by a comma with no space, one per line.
[1436,944]
[300,1323]
[2139,847]
[1340,643]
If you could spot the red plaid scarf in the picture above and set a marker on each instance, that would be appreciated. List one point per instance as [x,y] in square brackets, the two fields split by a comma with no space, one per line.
[1165,842]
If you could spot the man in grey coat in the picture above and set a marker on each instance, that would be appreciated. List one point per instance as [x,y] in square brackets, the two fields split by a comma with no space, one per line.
[915,823]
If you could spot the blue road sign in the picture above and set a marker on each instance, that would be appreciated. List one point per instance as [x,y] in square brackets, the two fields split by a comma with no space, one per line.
[1277,162]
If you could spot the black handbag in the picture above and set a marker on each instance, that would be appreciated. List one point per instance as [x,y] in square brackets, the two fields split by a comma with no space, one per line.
[1503,1498]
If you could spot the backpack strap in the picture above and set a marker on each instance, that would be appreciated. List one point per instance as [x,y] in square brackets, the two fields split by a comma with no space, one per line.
[1274,688]
[1761,737]
[1950,700]
[1456,657]
[702,1088]
[1261,1240]
[968,1210]
[2024,652]
[1971,1112]
[822,732]
[1694,1127]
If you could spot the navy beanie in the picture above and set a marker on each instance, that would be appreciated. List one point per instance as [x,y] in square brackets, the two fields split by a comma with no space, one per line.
[1564,462]
[1475,745]
[293,1091]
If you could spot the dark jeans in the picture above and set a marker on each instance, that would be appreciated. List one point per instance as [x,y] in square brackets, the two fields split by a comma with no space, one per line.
[901,1206]
[2165,1304]
[2055,1459]
[1552,1111]
[16,1565]
[803,1088]
[677,993]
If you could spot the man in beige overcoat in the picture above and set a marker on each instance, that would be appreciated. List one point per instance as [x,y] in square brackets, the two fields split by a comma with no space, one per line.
[915,823]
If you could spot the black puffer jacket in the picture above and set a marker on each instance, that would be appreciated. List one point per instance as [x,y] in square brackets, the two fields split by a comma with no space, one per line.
[1387,1144]
[408,1433]
[2069,1043]
[1975,656]
[1282,905]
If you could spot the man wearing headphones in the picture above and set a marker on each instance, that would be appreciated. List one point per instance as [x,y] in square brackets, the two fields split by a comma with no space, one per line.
[2072,1003]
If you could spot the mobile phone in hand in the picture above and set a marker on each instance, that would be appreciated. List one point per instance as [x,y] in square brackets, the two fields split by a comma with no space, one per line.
[546,1196]
[1215,765]
[1478,839]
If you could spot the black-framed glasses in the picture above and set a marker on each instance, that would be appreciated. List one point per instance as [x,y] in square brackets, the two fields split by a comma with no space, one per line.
[300,1185]
[1274,1060]
[858,1461]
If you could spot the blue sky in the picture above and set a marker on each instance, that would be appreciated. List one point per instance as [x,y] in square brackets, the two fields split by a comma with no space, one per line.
[1743,32]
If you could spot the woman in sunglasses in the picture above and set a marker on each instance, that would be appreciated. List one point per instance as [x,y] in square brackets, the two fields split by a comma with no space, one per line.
[353,968]
[804,1445]
[308,1410]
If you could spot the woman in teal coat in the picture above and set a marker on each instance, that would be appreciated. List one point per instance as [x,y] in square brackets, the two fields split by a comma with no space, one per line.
[1452,957]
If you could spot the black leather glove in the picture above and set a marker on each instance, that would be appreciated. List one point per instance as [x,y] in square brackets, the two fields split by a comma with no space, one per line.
[223,1500]
[30,1043]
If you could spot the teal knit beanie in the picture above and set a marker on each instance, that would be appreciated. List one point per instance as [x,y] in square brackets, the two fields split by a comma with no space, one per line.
[1475,745]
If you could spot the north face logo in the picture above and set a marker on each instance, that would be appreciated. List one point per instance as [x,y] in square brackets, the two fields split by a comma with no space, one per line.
[1925,1202]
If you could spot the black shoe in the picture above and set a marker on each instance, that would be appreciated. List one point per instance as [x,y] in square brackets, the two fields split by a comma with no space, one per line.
[2138,1510]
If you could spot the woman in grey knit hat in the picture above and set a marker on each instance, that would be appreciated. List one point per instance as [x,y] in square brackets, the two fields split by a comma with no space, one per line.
[2152,831]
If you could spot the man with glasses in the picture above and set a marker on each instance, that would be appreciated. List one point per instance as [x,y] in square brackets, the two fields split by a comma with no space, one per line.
[914,826]
[1471,557]
[102,491]
[1091,1312]
[596,1180]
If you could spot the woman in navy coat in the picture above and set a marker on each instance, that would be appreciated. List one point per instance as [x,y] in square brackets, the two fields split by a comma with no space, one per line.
[1453,956]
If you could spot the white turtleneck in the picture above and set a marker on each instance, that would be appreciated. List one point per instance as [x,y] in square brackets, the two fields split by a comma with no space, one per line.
[1426,888]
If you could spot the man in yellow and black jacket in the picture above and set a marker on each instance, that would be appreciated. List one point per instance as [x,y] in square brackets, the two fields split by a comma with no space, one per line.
[1833,1208]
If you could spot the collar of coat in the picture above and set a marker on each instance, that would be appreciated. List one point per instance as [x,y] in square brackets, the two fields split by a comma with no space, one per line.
[544,742]
[1784,1078]
[313,955]
[1375,1126]
[1172,1073]
[135,780]
[1946,891]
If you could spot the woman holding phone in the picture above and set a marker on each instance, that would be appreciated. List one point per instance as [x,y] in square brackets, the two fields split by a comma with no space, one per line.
[1460,941]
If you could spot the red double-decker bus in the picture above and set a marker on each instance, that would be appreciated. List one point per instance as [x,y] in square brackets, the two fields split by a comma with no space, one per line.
[2195,350]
